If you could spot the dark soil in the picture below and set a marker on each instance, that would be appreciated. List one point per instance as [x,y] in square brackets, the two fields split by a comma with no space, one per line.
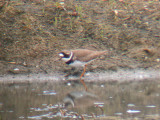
[32,32]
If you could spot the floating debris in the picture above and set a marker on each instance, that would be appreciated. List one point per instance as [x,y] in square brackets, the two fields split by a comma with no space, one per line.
[118,113]
[130,105]
[48,92]
[99,104]
[133,111]
[151,106]
[102,86]
[69,84]
[16,69]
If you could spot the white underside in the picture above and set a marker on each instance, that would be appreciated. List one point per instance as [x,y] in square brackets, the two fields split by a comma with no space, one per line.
[77,64]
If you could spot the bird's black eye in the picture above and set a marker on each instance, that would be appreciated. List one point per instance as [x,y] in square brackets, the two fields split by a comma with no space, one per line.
[66,55]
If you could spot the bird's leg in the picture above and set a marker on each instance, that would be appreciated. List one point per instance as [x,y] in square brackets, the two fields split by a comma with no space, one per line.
[82,81]
[84,70]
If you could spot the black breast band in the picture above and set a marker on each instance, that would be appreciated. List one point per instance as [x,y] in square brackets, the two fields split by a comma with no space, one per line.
[70,61]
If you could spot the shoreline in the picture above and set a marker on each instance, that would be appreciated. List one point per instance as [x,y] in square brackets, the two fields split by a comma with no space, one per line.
[120,76]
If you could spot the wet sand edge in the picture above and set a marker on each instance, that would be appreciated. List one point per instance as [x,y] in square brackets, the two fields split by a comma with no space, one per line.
[121,75]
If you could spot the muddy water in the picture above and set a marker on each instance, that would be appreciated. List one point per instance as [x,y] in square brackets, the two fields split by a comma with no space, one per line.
[106,100]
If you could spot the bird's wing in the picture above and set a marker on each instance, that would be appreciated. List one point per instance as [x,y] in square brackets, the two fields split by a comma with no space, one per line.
[86,55]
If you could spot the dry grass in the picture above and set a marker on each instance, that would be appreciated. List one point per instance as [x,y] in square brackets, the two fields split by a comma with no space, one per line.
[33,30]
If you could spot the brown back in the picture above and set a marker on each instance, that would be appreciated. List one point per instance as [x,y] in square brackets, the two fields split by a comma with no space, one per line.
[86,55]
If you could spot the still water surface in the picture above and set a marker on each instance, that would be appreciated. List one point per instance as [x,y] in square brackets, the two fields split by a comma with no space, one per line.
[106,100]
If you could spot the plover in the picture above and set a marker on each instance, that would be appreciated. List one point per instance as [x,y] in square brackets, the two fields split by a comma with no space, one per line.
[80,58]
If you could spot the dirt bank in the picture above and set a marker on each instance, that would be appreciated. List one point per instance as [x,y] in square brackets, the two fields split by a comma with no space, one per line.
[32,32]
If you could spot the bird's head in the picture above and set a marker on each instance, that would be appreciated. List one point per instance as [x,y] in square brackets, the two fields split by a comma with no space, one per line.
[65,55]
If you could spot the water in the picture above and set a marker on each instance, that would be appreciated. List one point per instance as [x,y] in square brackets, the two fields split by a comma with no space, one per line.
[105,100]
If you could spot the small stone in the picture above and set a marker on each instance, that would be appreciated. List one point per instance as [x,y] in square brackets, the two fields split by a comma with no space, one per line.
[158,60]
